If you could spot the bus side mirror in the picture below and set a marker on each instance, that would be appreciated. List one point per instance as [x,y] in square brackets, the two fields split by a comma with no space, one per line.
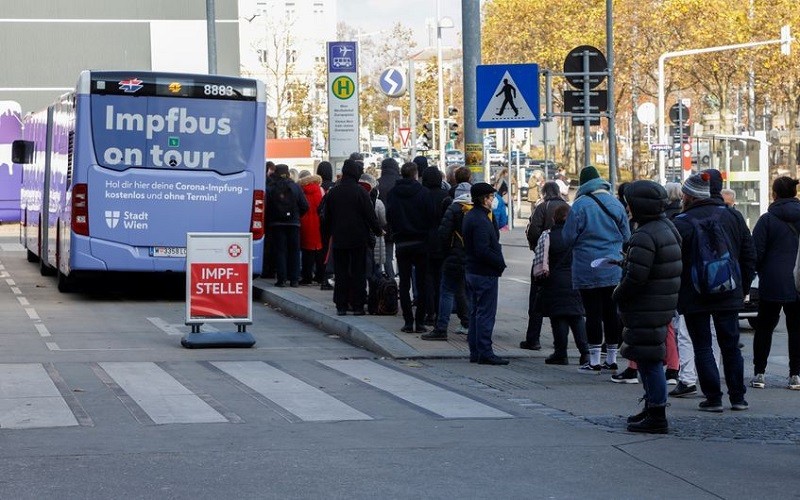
[22,152]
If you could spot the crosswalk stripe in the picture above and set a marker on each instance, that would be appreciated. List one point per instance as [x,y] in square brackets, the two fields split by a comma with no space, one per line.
[29,398]
[435,399]
[295,396]
[162,397]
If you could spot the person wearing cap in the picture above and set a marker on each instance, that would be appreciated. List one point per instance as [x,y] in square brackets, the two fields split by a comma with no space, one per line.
[699,309]
[484,266]
[597,226]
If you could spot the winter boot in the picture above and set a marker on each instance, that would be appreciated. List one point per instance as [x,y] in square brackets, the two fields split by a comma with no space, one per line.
[635,419]
[654,423]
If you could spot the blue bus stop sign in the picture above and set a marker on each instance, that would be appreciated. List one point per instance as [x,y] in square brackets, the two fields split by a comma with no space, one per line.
[393,82]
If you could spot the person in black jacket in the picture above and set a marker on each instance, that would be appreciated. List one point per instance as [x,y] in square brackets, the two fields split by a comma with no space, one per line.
[699,308]
[349,218]
[647,296]
[453,284]
[484,266]
[410,215]
[285,204]
[541,220]
[390,173]
[557,299]
[674,199]
[776,238]
[432,181]
[325,170]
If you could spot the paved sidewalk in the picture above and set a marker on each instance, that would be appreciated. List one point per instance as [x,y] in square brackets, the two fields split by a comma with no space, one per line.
[381,334]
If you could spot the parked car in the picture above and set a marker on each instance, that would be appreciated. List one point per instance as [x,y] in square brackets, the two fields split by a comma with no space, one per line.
[750,310]
[496,157]
[454,156]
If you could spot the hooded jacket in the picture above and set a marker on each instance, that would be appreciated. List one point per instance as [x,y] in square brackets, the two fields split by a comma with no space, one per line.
[647,294]
[410,213]
[349,215]
[432,181]
[542,216]
[592,234]
[310,235]
[776,250]
[281,175]
[742,249]
[325,171]
[422,164]
[451,236]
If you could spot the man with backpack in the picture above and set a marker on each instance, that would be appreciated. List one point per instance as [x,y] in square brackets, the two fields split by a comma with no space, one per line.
[285,204]
[453,286]
[718,266]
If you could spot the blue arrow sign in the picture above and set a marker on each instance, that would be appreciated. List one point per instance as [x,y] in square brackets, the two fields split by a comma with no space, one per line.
[508,95]
[392,82]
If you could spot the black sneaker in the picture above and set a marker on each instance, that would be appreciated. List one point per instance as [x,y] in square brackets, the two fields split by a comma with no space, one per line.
[530,346]
[407,328]
[740,406]
[672,376]
[682,390]
[590,369]
[492,360]
[710,406]
[610,366]
[556,360]
[435,335]
[628,376]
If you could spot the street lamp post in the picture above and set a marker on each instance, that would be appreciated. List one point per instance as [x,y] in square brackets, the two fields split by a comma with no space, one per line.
[441,23]
[785,41]
[389,109]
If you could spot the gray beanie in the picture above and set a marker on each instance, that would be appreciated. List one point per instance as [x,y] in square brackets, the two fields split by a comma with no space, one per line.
[462,189]
[697,186]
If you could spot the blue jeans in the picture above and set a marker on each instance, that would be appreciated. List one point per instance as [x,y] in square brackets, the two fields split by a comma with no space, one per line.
[452,289]
[654,381]
[482,293]
[727,326]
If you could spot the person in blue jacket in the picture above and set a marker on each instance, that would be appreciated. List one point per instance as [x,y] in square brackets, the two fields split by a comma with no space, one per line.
[484,266]
[776,237]
[597,226]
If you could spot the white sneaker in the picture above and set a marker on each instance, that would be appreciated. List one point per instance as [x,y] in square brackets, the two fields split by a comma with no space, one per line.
[794,382]
[758,381]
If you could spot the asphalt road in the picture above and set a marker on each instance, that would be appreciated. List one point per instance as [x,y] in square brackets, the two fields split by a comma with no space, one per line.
[99,400]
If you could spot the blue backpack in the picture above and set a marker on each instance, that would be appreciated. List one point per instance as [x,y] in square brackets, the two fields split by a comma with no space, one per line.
[714,268]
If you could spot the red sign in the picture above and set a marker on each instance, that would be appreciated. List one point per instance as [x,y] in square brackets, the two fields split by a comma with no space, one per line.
[219,290]
[405,133]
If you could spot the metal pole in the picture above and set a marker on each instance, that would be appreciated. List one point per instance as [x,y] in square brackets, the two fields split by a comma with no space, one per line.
[471,45]
[587,121]
[412,108]
[441,80]
[211,33]
[612,127]
[548,109]
[660,112]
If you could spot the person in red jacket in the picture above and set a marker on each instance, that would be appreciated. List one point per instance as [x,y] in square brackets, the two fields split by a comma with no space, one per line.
[313,260]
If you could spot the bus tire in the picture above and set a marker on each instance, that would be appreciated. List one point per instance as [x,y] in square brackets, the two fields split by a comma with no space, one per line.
[45,269]
[65,284]
[32,257]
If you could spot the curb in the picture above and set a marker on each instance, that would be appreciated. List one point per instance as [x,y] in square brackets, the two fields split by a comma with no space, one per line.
[358,331]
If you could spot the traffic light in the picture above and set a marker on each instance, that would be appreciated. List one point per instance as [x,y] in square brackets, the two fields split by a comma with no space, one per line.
[453,125]
[452,111]
[686,154]
[427,136]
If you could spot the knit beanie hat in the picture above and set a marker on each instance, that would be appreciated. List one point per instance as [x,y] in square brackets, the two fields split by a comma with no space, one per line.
[697,186]
[588,173]
[462,189]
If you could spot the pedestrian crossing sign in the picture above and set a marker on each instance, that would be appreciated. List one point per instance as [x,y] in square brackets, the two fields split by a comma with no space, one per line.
[508,95]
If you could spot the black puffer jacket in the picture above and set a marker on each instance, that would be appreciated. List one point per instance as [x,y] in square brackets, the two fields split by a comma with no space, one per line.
[349,216]
[410,213]
[651,278]
[556,296]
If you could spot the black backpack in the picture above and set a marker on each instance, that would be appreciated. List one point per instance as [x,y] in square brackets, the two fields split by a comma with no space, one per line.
[382,298]
[283,201]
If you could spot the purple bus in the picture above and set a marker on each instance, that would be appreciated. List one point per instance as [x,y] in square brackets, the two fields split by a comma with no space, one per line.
[10,174]
[118,171]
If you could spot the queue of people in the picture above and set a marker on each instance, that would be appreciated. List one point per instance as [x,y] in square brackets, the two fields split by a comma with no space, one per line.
[653,274]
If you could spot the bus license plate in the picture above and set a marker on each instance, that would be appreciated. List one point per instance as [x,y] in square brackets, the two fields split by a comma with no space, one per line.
[167,251]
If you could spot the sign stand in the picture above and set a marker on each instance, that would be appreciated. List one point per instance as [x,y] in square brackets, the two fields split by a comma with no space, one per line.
[219,284]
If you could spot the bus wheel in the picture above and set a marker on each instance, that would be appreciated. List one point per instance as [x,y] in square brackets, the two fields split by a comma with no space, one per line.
[32,257]
[65,284]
